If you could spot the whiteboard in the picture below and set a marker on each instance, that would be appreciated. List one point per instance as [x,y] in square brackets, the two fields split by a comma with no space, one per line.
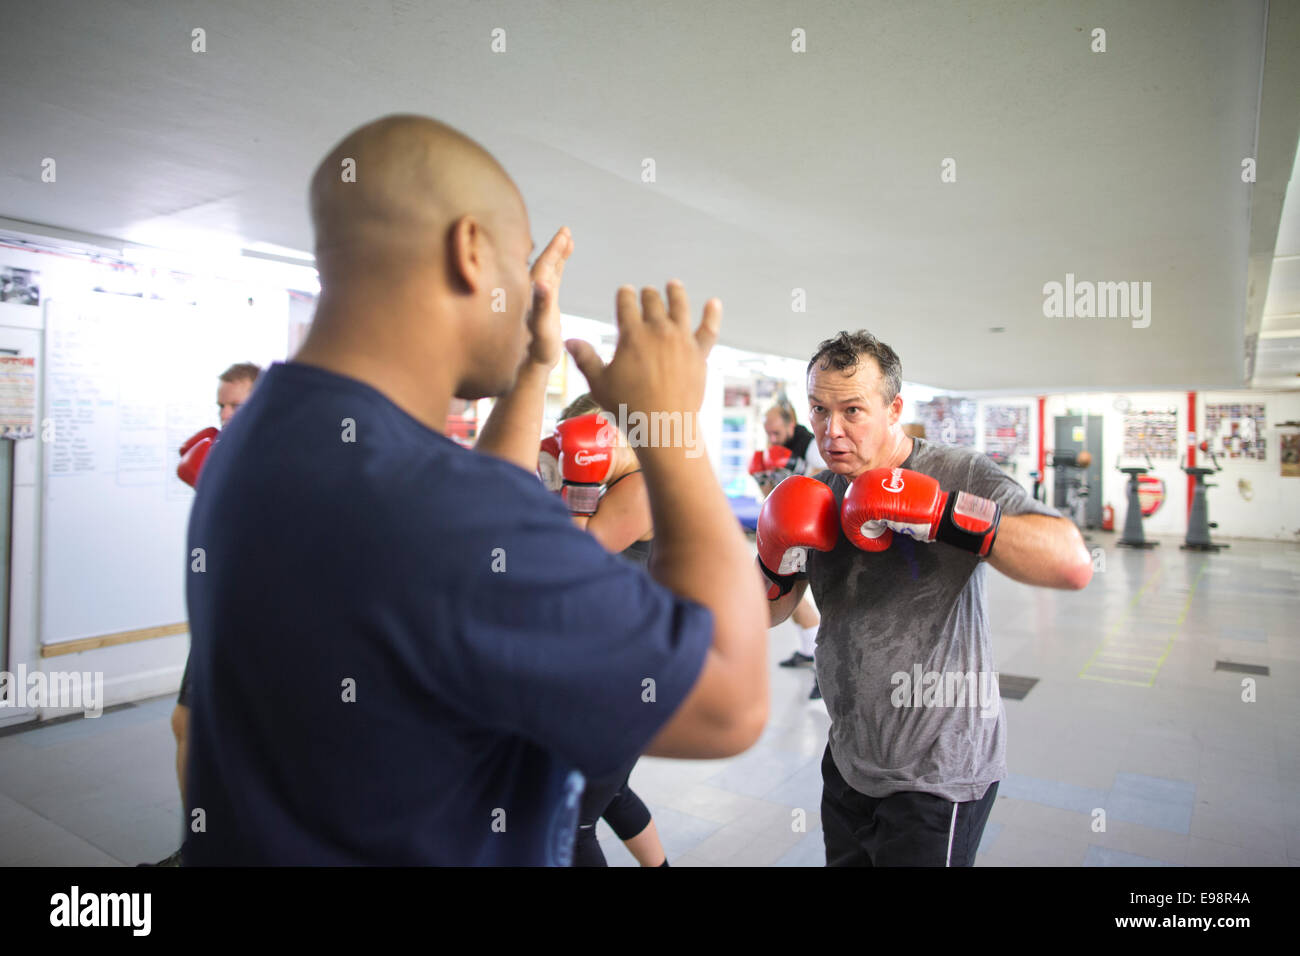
[127,380]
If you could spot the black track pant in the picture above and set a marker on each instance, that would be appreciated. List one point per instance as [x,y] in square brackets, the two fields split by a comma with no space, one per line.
[903,829]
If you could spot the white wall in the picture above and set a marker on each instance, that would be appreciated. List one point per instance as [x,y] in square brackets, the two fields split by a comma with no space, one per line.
[131,671]
[1274,508]
[144,668]
[1024,463]
[1172,516]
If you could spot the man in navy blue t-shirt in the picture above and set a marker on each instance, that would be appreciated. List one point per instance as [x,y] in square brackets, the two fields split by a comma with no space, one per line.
[403,651]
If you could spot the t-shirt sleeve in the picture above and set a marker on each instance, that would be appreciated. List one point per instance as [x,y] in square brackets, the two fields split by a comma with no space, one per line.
[987,480]
[559,641]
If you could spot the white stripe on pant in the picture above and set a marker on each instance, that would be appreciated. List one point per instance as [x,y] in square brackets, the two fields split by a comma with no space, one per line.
[952,828]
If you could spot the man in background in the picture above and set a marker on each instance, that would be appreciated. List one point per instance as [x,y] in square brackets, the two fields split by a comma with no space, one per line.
[234,386]
[784,431]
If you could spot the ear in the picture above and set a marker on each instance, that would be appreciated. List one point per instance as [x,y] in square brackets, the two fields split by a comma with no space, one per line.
[896,409]
[466,254]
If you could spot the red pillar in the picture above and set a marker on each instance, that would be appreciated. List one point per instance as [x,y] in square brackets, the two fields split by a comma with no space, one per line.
[1042,455]
[1191,447]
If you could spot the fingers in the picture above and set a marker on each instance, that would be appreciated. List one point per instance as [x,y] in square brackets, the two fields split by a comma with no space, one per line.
[652,306]
[652,311]
[541,296]
[625,307]
[706,336]
[550,264]
[679,306]
[585,357]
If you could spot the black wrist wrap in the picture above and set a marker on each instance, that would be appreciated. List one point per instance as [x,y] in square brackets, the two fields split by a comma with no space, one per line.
[974,510]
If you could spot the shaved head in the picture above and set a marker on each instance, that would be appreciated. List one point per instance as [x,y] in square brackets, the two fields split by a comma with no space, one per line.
[423,247]
[392,189]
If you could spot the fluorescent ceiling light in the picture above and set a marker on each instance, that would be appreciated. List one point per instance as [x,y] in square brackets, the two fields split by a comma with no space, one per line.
[271,249]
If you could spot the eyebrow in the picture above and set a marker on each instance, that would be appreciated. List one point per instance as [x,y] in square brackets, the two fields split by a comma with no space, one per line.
[851,398]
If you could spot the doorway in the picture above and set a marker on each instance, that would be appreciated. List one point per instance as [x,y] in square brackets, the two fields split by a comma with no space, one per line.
[1076,433]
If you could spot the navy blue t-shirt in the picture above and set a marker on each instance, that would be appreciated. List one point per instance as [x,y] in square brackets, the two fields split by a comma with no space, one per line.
[403,651]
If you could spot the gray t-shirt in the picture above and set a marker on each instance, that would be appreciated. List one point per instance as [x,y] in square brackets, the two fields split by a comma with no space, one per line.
[904,657]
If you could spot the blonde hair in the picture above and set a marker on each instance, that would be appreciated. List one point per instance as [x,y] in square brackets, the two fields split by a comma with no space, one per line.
[785,411]
[584,404]
[241,372]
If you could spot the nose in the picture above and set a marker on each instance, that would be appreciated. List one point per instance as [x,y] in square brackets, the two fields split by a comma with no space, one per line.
[834,426]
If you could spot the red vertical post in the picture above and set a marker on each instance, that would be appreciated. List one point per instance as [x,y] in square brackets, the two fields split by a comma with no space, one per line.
[1191,448]
[1042,455]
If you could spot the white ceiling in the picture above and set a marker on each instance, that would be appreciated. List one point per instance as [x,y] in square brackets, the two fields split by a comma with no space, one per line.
[775,170]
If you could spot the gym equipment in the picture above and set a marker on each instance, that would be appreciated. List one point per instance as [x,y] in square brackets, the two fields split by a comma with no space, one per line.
[1074,478]
[1151,492]
[1040,487]
[1198,522]
[1133,536]
[1073,434]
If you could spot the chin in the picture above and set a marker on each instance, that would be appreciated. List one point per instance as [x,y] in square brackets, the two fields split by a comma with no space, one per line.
[495,387]
[473,391]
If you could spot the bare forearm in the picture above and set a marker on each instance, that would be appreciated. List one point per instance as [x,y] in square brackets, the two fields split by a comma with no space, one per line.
[784,606]
[515,425]
[700,553]
[1041,551]
[614,537]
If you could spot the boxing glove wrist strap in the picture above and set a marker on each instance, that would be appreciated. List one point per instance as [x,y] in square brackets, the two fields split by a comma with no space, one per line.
[969,522]
[782,584]
[581,498]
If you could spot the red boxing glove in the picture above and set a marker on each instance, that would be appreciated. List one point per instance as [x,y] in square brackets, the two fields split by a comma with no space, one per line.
[885,500]
[799,514]
[776,458]
[586,458]
[548,463]
[196,454]
[771,466]
[198,436]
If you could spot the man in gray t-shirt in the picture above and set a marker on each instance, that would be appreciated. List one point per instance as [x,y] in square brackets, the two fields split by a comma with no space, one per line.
[904,655]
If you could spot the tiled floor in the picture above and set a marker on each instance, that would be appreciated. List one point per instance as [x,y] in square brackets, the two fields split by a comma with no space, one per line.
[1132,750]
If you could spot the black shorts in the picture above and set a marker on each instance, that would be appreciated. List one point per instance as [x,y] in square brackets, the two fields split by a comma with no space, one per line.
[903,829]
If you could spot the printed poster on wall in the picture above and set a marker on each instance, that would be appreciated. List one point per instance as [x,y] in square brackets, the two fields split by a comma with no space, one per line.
[17,397]
[1151,432]
[20,286]
[1237,430]
[1006,431]
[948,420]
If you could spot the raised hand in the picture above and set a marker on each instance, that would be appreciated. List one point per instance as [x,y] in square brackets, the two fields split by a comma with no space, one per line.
[659,363]
[544,347]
